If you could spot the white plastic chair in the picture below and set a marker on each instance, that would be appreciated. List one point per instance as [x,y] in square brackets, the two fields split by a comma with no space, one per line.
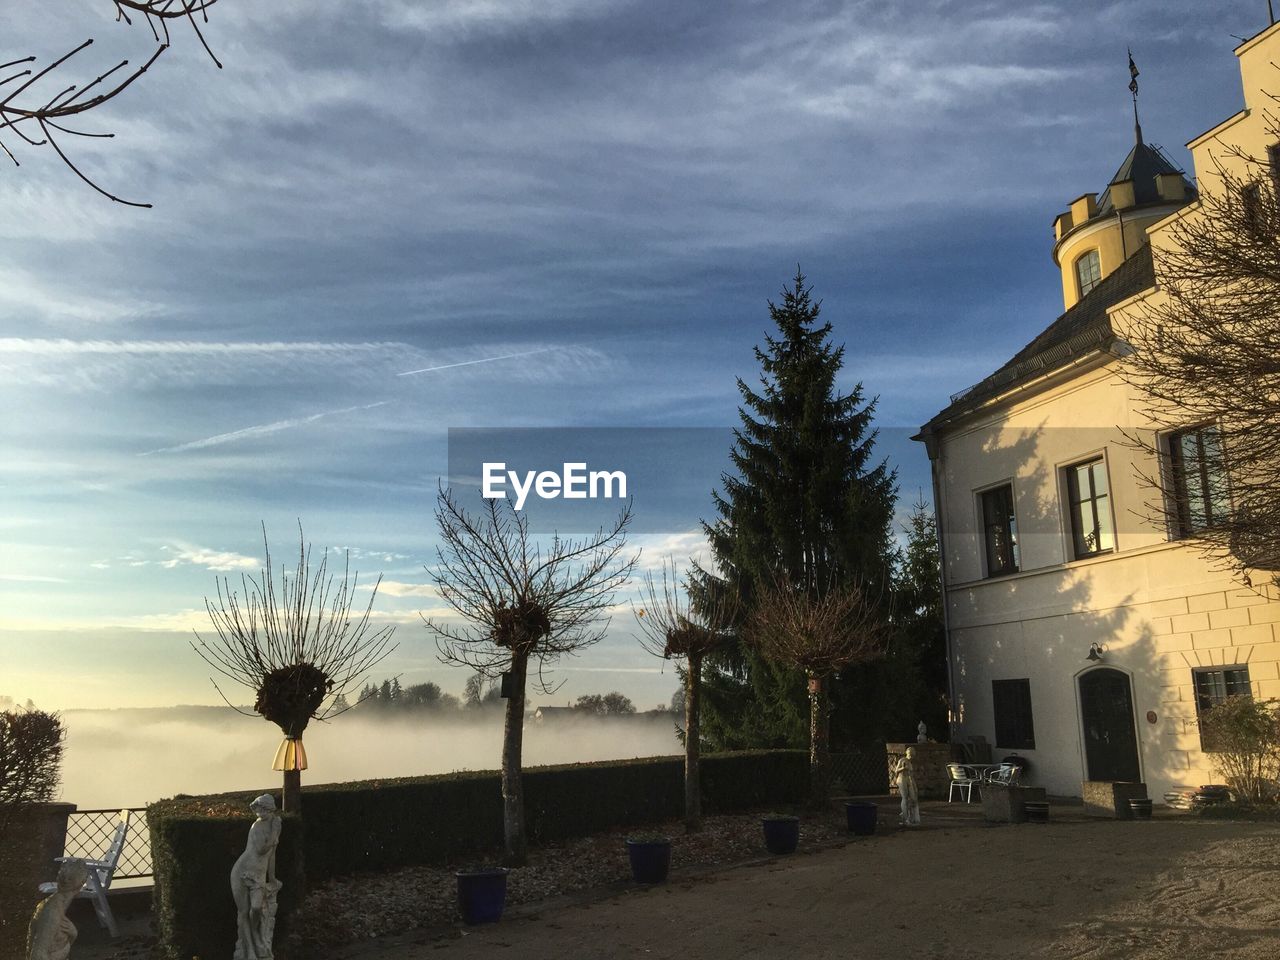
[963,779]
[99,881]
[1007,773]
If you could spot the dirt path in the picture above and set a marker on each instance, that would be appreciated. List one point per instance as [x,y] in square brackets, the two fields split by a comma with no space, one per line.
[1079,890]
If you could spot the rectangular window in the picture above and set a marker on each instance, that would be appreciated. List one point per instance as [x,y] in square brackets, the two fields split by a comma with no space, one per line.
[1089,503]
[1214,685]
[1251,200]
[1198,476]
[1000,531]
[1011,700]
[1273,163]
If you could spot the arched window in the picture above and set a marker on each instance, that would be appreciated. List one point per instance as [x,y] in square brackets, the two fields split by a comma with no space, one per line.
[1088,271]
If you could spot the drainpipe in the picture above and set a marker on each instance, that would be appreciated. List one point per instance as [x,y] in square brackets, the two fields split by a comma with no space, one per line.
[933,448]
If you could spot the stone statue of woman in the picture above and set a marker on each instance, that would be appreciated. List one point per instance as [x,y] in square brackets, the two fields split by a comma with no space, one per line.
[51,934]
[254,884]
[906,775]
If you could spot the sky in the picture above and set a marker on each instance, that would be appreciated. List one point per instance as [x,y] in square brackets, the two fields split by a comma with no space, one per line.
[378,223]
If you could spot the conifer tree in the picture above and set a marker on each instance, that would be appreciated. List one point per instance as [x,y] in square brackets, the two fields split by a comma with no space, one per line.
[807,502]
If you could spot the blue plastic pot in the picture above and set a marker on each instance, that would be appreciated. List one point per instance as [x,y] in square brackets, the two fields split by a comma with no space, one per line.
[862,817]
[482,894]
[781,834]
[650,860]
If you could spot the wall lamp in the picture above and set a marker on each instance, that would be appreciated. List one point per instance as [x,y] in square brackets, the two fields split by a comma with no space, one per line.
[1095,652]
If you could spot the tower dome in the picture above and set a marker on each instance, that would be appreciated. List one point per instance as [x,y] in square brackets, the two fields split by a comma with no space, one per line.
[1098,233]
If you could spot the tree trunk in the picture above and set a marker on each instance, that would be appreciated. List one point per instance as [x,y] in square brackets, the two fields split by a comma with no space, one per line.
[516,846]
[692,737]
[291,795]
[819,741]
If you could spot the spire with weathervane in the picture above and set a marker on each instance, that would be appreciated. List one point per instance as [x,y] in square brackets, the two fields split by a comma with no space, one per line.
[1133,89]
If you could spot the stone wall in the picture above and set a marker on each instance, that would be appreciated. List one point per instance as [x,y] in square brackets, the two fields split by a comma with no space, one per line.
[932,779]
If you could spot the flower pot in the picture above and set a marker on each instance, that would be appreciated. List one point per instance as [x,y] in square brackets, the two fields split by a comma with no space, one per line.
[650,860]
[781,834]
[862,817]
[482,894]
[1037,811]
[1140,808]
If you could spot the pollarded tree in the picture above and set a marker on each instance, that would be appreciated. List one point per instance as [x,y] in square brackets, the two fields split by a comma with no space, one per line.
[298,647]
[522,603]
[806,500]
[1206,357]
[673,628]
[818,631]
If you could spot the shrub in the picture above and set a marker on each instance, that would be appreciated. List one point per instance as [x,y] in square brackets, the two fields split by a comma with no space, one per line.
[31,744]
[193,847]
[1242,736]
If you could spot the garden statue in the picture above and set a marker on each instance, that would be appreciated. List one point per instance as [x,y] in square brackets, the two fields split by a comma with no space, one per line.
[906,775]
[51,934]
[254,884]
[922,733]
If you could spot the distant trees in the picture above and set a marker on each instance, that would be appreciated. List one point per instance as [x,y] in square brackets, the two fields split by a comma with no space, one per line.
[298,646]
[41,109]
[523,604]
[1205,363]
[613,704]
[806,503]
[390,697]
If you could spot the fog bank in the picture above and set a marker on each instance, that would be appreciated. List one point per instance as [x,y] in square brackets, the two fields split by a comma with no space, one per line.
[128,758]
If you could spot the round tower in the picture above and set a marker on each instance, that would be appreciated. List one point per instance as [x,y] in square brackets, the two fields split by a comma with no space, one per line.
[1098,233]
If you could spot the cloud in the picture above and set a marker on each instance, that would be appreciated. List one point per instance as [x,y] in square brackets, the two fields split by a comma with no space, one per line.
[396,588]
[220,561]
[31,578]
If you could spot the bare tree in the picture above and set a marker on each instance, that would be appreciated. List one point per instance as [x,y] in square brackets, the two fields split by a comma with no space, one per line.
[820,632]
[674,627]
[522,603]
[298,647]
[39,108]
[1206,355]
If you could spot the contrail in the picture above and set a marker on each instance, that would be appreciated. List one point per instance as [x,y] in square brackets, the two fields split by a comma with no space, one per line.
[260,430]
[467,363]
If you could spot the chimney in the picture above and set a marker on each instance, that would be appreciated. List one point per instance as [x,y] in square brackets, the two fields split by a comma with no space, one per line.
[1171,186]
[1122,197]
[1084,208]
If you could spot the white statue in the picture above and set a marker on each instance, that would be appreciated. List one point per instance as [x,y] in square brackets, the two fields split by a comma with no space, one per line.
[51,934]
[922,733]
[905,772]
[254,884]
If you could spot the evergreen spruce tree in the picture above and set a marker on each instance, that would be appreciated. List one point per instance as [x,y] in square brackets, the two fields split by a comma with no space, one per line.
[807,502]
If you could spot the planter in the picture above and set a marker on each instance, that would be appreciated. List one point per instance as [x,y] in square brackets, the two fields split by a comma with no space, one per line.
[1140,809]
[781,834]
[482,894]
[862,817]
[1037,811]
[650,859]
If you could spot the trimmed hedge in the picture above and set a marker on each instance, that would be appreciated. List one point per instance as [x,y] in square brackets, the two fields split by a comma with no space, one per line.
[379,825]
[193,847]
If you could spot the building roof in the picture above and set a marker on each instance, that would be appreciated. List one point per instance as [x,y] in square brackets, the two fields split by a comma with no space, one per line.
[1144,163]
[1083,329]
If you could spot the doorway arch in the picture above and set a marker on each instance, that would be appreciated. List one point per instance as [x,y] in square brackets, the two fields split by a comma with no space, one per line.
[1110,733]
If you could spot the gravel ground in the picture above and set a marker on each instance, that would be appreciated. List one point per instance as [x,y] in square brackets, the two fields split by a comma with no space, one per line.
[365,906]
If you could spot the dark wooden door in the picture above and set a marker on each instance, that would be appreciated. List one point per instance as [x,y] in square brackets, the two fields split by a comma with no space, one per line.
[1110,742]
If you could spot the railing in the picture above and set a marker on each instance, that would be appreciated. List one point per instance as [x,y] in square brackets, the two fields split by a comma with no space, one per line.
[89,834]
[862,773]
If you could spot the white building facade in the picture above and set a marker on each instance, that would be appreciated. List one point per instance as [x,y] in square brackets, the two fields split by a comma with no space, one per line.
[1082,633]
